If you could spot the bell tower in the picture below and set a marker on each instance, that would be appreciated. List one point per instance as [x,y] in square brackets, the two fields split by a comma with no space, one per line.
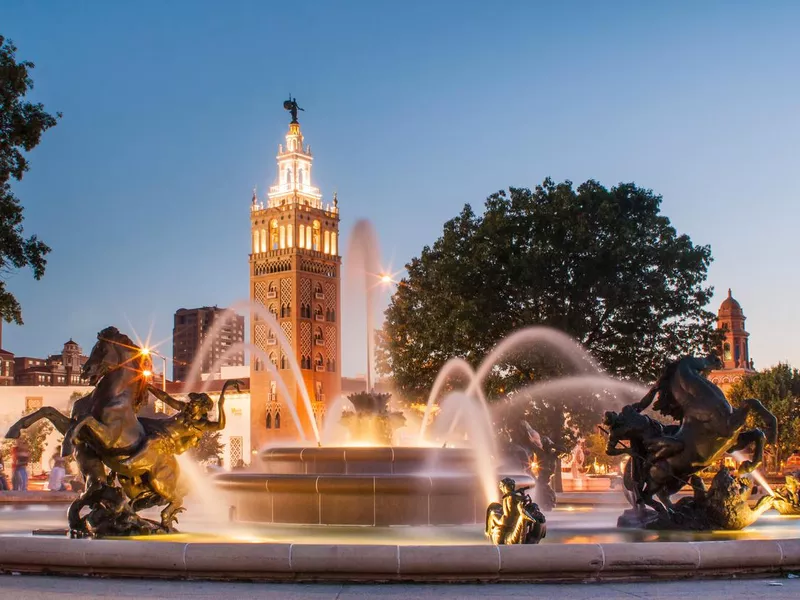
[735,350]
[294,274]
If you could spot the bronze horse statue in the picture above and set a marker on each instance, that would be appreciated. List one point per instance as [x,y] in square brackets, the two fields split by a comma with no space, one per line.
[103,430]
[665,458]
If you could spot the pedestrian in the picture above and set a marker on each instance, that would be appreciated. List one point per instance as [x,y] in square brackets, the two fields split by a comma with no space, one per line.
[3,479]
[57,474]
[19,476]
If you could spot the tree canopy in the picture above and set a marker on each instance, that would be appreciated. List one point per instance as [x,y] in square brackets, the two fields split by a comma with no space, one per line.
[602,265]
[778,388]
[21,126]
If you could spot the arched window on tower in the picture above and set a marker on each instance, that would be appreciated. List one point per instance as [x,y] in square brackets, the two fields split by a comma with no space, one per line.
[272,308]
[318,339]
[256,244]
[327,246]
[316,235]
[301,238]
[289,236]
[274,235]
[288,176]
[300,176]
[308,237]
[283,360]
[264,240]
[319,362]
[334,249]
[269,419]
[726,351]
[278,418]
[283,237]
[737,354]
[273,359]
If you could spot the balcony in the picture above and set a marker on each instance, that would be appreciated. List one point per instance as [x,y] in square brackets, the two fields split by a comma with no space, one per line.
[319,342]
[319,368]
[272,294]
[319,317]
[319,295]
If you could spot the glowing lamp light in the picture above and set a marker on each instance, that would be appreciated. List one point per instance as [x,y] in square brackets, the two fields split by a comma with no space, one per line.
[147,374]
[386,278]
[145,351]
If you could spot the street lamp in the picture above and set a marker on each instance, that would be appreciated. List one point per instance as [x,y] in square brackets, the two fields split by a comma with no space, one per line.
[149,352]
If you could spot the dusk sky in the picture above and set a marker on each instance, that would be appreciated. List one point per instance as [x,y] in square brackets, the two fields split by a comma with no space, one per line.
[173,112]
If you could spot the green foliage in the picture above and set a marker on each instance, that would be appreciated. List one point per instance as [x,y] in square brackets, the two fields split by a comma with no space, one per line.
[778,388]
[35,436]
[21,126]
[209,447]
[603,265]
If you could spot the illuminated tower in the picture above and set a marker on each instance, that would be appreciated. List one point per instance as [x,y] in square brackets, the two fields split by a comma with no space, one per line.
[735,351]
[294,274]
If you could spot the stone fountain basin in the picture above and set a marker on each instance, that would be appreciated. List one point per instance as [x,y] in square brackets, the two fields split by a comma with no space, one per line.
[328,562]
[373,486]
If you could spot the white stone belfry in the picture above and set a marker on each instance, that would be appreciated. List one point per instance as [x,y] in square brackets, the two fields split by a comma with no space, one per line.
[293,183]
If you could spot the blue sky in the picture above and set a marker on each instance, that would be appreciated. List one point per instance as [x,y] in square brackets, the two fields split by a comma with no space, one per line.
[172,113]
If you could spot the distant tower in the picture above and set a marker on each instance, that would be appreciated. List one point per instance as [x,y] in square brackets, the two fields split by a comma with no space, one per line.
[294,274]
[735,351]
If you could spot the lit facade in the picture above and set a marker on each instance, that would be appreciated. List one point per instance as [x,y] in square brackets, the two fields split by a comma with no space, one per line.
[735,350]
[295,276]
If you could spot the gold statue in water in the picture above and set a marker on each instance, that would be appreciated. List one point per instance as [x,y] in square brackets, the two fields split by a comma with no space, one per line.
[515,520]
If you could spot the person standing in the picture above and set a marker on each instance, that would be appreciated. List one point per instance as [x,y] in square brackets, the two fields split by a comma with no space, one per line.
[3,480]
[57,474]
[22,455]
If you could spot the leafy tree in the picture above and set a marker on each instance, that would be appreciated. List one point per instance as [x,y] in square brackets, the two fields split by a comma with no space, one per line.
[21,126]
[778,388]
[210,447]
[35,436]
[603,265]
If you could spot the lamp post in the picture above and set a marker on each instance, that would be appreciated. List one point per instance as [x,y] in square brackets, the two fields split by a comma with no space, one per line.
[149,352]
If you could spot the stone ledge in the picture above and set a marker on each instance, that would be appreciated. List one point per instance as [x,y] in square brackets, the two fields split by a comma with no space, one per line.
[352,562]
[37,497]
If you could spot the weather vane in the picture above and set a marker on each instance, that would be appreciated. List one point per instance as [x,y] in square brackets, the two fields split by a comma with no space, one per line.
[291,106]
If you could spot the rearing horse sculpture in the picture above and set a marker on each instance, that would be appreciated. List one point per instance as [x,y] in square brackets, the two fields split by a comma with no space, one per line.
[664,459]
[116,367]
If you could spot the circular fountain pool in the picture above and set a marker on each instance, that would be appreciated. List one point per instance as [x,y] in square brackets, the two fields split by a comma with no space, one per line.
[376,486]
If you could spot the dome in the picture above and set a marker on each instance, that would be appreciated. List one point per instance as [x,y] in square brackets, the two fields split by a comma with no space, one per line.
[730,306]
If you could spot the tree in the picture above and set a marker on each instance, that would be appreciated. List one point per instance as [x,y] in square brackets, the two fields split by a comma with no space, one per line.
[603,265]
[778,388]
[35,436]
[21,126]
[210,447]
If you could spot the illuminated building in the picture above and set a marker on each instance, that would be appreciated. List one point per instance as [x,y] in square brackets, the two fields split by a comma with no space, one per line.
[294,275]
[735,351]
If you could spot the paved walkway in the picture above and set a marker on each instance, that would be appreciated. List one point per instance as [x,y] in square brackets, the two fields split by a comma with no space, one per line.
[71,588]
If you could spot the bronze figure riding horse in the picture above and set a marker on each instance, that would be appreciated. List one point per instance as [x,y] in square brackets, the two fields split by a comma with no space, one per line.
[664,459]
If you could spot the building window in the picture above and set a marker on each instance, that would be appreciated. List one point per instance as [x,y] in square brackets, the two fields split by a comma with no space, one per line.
[33,403]
[236,445]
[274,235]
[333,243]
[269,420]
[316,235]
[283,237]
[255,242]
